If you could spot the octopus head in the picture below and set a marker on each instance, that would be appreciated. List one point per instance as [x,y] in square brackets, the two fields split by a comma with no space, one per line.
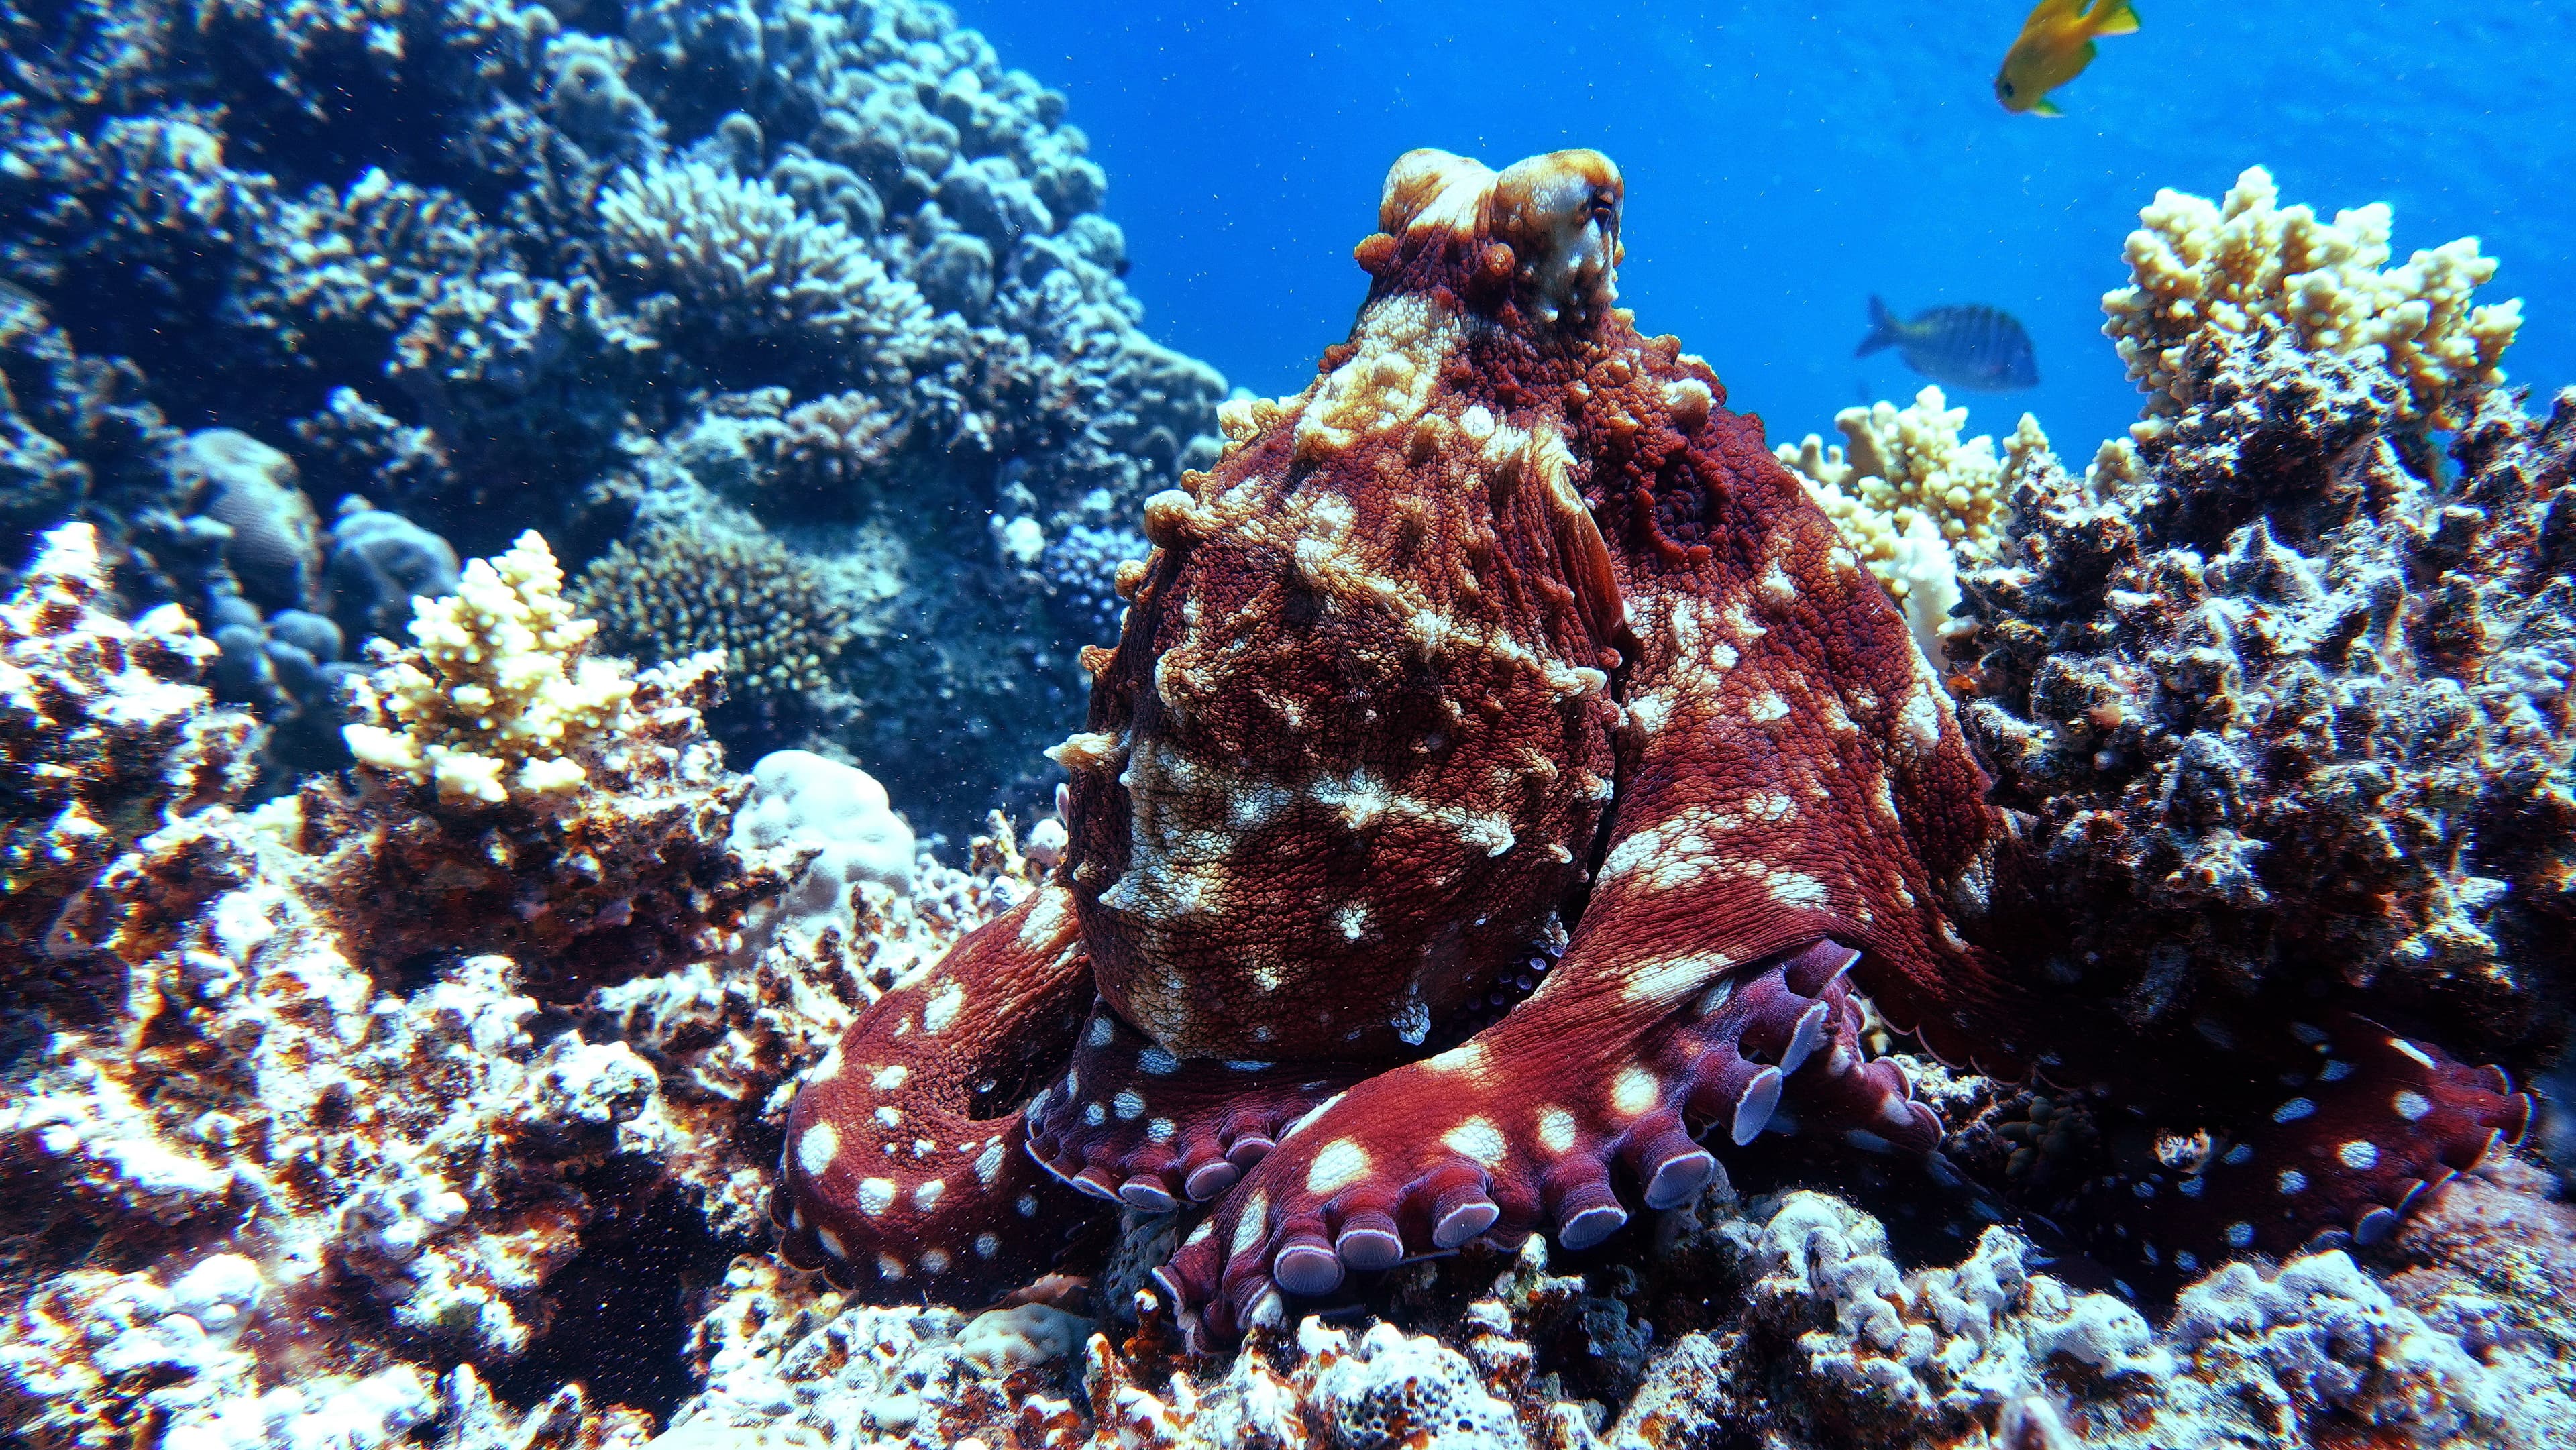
[1542,234]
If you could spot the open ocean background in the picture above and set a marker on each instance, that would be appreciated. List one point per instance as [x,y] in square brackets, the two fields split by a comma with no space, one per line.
[1785,161]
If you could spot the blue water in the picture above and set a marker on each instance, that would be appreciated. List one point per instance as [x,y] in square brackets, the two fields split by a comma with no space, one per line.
[1785,161]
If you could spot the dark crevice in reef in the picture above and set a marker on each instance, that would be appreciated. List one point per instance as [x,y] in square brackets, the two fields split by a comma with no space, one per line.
[625,1304]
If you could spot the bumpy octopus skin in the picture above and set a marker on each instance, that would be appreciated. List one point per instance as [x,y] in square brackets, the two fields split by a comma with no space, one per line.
[1505,653]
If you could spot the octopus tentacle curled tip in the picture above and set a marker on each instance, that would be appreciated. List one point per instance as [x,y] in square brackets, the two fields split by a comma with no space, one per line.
[1503,786]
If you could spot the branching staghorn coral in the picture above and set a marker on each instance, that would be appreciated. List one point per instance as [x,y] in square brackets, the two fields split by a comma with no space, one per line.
[742,253]
[680,592]
[496,678]
[1914,500]
[2246,264]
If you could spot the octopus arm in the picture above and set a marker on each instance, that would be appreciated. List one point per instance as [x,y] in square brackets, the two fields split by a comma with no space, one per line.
[1588,1101]
[2342,1136]
[1791,765]
[890,1184]
[1131,1123]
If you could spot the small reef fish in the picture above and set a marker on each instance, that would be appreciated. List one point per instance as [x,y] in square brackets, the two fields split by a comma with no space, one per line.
[2054,47]
[1982,349]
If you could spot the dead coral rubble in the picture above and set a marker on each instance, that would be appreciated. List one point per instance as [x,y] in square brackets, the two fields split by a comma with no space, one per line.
[1833,1343]
[2288,713]
[105,735]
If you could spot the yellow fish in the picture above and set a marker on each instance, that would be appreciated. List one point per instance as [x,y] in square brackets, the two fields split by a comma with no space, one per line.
[2054,47]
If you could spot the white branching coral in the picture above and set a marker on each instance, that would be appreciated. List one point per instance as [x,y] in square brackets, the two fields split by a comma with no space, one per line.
[740,251]
[1915,501]
[496,678]
[2247,264]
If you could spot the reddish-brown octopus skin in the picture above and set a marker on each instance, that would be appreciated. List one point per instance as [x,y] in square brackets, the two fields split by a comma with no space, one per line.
[889,1181]
[1507,624]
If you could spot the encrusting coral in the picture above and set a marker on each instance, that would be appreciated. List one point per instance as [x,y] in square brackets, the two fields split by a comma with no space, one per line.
[2202,270]
[1916,502]
[497,677]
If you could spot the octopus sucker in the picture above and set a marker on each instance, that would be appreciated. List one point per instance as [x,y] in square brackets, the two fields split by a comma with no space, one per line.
[1497,805]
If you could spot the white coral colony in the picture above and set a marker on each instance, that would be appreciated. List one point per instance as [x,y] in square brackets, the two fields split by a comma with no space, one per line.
[2246,264]
[496,678]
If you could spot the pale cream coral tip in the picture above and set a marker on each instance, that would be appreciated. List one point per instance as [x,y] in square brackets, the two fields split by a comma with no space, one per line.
[2247,264]
[1914,501]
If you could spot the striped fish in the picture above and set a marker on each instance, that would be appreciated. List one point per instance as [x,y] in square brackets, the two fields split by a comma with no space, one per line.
[1973,347]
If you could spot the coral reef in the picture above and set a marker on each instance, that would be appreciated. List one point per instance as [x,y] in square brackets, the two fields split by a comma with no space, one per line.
[2206,271]
[306,1157]
[1509,793]
[489,267]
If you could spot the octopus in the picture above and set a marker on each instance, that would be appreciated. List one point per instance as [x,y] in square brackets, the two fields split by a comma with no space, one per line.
[1504,792]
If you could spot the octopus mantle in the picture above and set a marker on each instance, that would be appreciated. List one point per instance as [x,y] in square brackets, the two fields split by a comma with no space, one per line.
[1506,655]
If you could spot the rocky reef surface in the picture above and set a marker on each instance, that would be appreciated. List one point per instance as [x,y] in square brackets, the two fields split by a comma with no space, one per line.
[798,322]
[432,1093]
